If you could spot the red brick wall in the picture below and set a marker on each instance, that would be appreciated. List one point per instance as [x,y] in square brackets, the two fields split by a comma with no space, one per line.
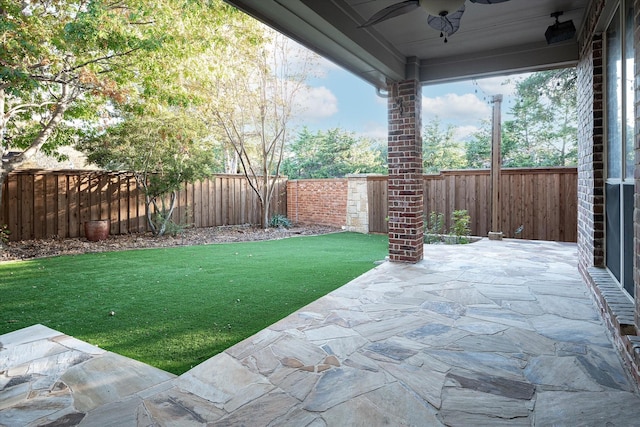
[591,145]
[317,201]
[613,307]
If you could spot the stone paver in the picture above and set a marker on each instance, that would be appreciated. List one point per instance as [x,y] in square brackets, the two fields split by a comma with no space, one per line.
[488,334]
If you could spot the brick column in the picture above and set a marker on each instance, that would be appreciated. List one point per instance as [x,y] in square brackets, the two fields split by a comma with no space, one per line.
[406,205]
[591,178]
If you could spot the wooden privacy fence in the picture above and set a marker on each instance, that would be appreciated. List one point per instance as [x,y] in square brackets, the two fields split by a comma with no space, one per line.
[541,200]
[41,204]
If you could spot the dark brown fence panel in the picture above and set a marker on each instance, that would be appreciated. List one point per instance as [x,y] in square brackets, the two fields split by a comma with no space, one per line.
[41,204]
[542,202]
[378,202]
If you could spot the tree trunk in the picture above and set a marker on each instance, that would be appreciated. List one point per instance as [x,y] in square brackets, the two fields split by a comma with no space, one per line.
[265,201]
[3,178]
[7,165]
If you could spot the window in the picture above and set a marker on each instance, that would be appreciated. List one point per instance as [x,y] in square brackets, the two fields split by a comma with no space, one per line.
[620,160]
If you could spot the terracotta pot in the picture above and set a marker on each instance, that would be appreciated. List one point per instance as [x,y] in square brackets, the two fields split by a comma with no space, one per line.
[97,230]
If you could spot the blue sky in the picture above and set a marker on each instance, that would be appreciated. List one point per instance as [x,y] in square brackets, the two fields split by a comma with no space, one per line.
[337,98]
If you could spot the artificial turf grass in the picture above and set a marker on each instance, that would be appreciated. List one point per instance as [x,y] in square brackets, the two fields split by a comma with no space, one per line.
[176,307]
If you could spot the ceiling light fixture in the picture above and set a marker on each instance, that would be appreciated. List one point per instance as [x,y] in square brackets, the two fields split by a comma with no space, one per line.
[559,31]
[443,15]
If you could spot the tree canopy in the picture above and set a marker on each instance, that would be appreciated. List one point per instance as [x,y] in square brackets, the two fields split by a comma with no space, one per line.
[332,153]
[164,150]
[67,66]
[542,130]
[440,149]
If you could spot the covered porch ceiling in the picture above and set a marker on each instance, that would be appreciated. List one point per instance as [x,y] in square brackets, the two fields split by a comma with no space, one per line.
[493,39]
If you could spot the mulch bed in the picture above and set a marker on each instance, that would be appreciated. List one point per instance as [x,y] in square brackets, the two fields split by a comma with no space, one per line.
[28,249]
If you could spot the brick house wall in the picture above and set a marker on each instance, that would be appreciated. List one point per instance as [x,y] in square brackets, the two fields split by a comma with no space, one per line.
[590,72]
[619,314]
[304,197]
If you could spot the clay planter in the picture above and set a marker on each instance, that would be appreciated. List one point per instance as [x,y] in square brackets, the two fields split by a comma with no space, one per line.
[97,230]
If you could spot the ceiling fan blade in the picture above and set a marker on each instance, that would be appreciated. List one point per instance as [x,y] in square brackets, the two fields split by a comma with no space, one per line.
[487,1]
[447,24]
[392,11]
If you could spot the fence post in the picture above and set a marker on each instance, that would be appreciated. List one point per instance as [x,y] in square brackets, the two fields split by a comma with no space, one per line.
[496,137]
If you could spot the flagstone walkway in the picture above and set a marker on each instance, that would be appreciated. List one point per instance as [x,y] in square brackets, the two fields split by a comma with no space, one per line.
[488,334]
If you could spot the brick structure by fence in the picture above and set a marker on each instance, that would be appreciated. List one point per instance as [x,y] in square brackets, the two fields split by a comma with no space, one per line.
[542,201]
[317,201]
[41,204]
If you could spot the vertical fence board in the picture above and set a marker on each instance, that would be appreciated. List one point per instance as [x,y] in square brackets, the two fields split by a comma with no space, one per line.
[243,202]
[84,194]
[62,202]
[26,189]
[39,208]
[205,203]
[140,217]
[506,206]
[126,204]
[13,204]
[114,204]
[105,197]
[74,206]
[94,196]
[51,205]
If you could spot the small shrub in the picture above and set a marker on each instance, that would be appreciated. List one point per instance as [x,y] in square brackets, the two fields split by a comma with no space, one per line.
[4,234]
[168,226]
[279,220]
[460,225]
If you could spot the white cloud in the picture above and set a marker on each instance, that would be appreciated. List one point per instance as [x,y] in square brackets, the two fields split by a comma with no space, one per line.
[315,103]
[462,133]
[458,109]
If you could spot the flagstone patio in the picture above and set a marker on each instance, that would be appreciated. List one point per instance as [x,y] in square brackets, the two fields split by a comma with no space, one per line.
[487,334]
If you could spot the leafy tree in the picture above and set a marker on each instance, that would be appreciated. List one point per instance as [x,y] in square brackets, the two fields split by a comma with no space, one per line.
[164,150]
[67,65]
[59,58]
[251,105]
[440,150]
[543,131]
[329,154]
[478,148]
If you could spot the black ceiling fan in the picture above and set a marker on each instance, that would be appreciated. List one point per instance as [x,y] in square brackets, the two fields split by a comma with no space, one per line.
[444,15]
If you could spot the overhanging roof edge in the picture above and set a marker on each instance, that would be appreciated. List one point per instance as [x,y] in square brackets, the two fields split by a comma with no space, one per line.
[336,47]
[518,59]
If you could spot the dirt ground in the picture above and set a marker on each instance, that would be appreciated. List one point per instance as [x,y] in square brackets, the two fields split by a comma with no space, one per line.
[27,249]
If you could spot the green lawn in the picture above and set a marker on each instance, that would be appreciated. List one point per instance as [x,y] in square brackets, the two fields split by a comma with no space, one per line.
[175,307]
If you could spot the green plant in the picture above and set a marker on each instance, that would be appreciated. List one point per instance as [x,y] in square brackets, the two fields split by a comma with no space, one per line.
[279,220]
[4,233]
[163,220]
[460,228]
[433,227]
